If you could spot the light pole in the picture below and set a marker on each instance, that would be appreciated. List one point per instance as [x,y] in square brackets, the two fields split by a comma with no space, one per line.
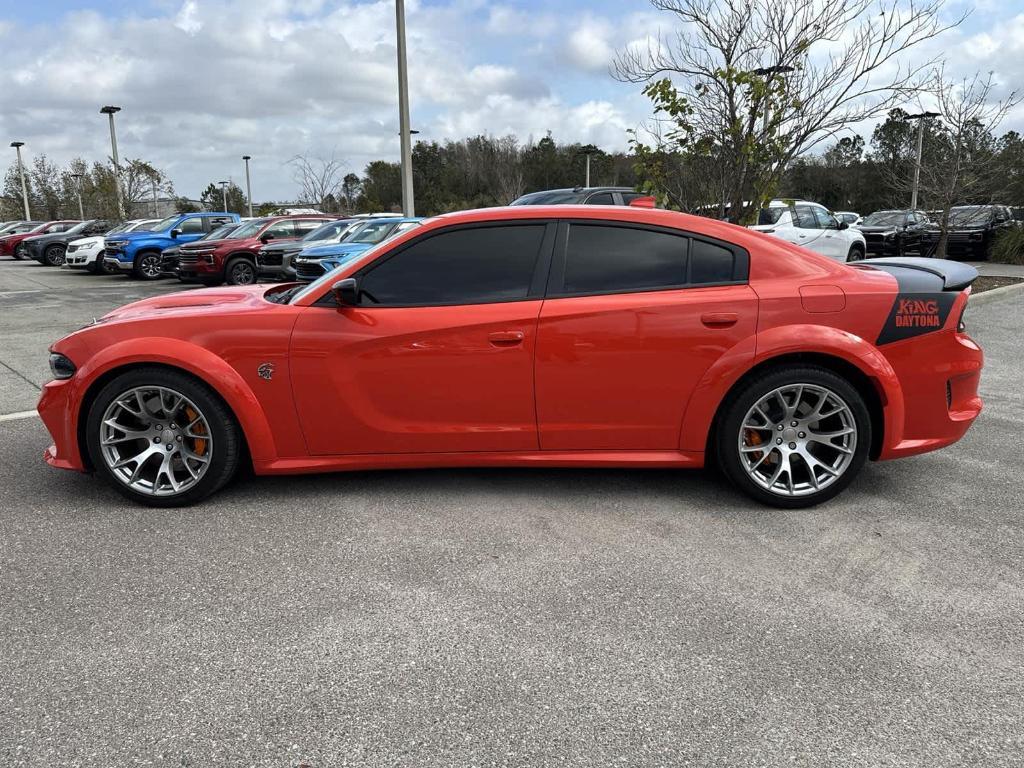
[78,188]
[21,172]
[408,203]
[920,117]
[110,112]
[588,151]
[248,183]
[769,73]
[224,194]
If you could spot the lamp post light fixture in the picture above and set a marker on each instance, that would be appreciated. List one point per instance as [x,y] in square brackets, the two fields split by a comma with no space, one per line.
[110,111]
[920,117]
[248,183]
[224,193]
[408,203]
[21,172]
[78,190]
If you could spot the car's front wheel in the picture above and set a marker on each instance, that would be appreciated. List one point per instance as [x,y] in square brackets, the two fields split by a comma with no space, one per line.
[54,255]
[162,438]
[794,437]
[147,266]
[20,252]
[241,272]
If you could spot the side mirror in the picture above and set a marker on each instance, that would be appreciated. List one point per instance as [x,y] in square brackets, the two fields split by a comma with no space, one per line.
[346,292]
[842,225]
[175,233]
[266,237]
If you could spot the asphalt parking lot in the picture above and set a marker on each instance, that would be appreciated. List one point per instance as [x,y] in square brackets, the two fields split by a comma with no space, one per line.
[508,617]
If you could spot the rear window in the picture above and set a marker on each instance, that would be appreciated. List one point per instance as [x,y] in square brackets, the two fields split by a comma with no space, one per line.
[554,197]
[768,216]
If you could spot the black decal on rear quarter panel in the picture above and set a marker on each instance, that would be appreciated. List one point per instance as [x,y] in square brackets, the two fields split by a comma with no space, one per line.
[916,313]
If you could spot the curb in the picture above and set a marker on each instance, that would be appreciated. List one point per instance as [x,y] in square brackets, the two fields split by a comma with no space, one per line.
[18,415]
[996,294]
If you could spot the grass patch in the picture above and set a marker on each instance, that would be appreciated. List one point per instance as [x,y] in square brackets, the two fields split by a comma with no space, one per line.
[987,283]
[1008,248]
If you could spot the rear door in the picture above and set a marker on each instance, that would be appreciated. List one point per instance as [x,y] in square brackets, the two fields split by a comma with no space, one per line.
[634,318]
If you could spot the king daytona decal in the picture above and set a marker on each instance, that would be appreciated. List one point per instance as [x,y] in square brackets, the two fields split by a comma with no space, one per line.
[916,313]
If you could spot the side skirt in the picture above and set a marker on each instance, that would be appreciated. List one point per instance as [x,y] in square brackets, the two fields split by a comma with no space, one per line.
[583,459]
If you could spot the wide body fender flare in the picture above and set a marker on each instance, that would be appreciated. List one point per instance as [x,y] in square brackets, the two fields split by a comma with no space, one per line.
[214,371]
[777,342]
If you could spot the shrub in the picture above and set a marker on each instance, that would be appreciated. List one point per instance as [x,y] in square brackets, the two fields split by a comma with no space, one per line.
[1008,247]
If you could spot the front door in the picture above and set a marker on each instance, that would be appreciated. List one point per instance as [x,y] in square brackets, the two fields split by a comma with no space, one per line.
[634,319]
[438,355]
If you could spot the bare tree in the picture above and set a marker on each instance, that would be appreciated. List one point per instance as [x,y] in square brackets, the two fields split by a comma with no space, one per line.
[754,84]
[509,180]
[318,178]
[966,160]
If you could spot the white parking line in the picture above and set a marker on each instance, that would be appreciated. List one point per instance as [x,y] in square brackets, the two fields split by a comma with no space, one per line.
[5,294]
[18,415]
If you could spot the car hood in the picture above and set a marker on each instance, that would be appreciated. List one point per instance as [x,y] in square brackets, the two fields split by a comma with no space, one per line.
[82,242]
[140,235]
[334,249]
[234,299]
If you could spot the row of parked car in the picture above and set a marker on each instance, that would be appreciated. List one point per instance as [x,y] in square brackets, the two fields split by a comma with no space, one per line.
[214,247]
[209,247]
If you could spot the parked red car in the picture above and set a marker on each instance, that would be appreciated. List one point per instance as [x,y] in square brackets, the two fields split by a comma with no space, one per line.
[10,245]
[233,259]
[581,336]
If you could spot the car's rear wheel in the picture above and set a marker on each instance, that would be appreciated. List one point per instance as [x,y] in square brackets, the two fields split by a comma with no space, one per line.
[162,437]
[147,266]
[241,272]
[54,255]
[856,253]
[794,437]
[20,252]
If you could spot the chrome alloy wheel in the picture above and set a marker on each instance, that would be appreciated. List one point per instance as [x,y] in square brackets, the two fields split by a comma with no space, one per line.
[797,439]
[149,265]
[156,441]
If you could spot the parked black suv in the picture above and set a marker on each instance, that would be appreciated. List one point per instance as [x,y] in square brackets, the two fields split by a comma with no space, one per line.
[581,196]
[972,230]
[894,233]
[51,248]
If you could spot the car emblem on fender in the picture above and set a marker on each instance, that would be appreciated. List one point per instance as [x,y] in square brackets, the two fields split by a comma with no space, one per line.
[266,371]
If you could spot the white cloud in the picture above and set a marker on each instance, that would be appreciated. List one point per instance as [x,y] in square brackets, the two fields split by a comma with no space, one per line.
[187,19]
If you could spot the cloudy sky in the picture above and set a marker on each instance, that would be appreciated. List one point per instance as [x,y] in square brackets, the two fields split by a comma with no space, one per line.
[203,82]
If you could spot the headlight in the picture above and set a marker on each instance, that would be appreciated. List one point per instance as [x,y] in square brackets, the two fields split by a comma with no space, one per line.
[116,243]
[60,366]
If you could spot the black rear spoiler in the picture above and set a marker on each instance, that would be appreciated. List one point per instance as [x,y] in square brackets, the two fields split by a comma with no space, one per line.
[920,275]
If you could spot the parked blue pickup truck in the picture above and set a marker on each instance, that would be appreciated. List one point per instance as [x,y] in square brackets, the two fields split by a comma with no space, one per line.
[138,253]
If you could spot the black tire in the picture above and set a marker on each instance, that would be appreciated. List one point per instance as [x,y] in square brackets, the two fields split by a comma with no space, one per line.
[736,407]
[241,271]
[227,446]
[147,265]
[856,253]
[20,252]
[54,255]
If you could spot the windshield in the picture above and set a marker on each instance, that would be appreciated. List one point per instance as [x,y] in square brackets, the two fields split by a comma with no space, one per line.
[769,216]
[140,226]
[166,224]
[78,228]
[330,231]
[220,233]
[554,197]
[970,214]
[247,230]
[20,229]
[371,232]
[885,219]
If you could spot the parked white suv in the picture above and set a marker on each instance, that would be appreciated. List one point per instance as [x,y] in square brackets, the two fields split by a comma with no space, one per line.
[812,226]
[87,253]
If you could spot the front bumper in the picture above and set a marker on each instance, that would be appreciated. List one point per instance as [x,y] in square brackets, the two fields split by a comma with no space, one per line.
[81,258]
[56,409]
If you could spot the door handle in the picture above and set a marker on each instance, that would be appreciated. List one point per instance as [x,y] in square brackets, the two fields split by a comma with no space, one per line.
[506,338]
[719,319]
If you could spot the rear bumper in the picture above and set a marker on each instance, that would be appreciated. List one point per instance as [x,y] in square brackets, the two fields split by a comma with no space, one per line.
[939,374]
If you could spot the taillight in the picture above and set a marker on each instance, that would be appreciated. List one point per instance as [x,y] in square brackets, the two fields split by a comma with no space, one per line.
[961,324]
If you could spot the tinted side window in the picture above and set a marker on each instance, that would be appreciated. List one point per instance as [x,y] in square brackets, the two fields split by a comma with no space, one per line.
[465,266]
[601,198]
[611,259]
[305,226]
[710,263]
[803,217]
[191,226]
